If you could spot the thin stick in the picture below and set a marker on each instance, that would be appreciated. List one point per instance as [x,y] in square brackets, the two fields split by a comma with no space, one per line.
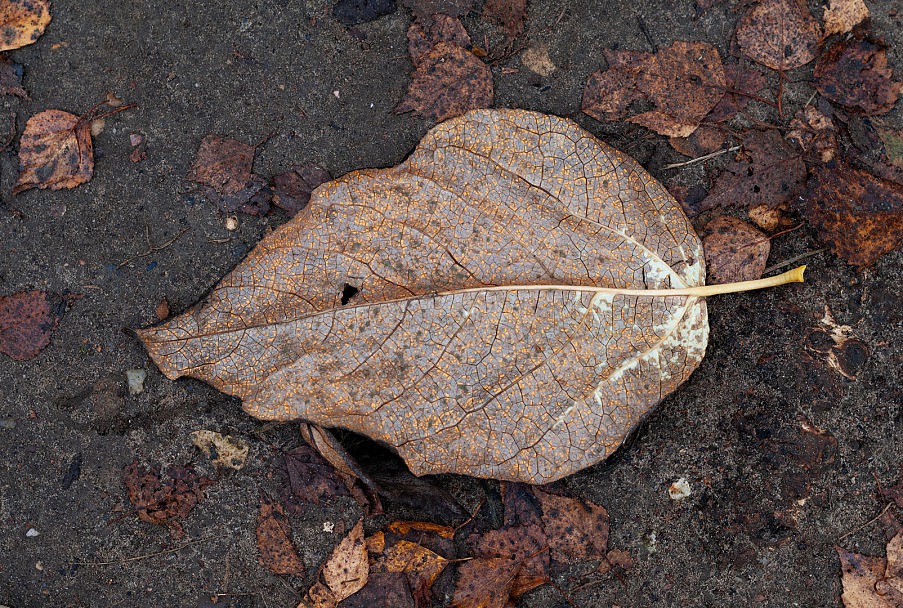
[140,557]
[791,276]
[699,159]
[792,260]
[154,249]
[869,522]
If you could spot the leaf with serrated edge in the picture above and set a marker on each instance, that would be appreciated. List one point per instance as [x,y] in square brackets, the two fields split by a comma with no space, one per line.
[514,316]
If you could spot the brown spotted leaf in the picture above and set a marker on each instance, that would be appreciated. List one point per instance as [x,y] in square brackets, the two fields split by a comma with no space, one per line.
[814,133]
[448,81]
[274,539]
[576,530]
[489,334]
[223,168]
[781,34]
[858,215]
[164,501]
[854,73]
[422,37]
[485,582]
[842,15]
[734,250]
[23,22]
[55,152]
[27,319]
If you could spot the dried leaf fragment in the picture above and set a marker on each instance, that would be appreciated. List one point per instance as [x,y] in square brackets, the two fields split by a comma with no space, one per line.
[854,73]
[55,152]
[291,190]
[741,82]
[841,16]
[274,539]
[27,319]
[814,133]
[223,450]
[857,214]
[780,34]
[223,166]
[23,22]
[576,530]
[485,582]
[379,371]
[873,582]
[510,14]
[11,78]
[344,573]
[423,36]
[734,250]
[164,502]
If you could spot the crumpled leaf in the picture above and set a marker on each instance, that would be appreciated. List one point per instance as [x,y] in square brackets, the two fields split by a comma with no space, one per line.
[223,167]
[841,16]
[858,215]
[814,133]
[164,502]
[854,73]
[873,582]
[274,539]
[781,34]
[344,573]
[23,22]
[55,152]
[522,381]
[685,81]
[27,319]
[222,450]
[11,78]
[734,250]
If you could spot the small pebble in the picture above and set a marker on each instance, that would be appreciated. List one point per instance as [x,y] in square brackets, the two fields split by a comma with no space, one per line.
[680,489]
[231,223]
[136,378]
[7,423]
[328,526]
[39,566]
[32,533]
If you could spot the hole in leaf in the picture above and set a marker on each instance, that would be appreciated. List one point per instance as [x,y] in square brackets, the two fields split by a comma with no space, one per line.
[348,292]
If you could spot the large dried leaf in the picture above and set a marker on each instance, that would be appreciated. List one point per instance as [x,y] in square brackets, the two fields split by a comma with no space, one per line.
[781,34]
[55,152]
[478,341]
[873,582]
[23,22]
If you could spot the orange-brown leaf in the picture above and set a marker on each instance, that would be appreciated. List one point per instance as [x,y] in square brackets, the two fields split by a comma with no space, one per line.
[576,530]
[23,22]
[274,539]
[346,570]
[55,152]
[734,250]
[781,34]
[485,582]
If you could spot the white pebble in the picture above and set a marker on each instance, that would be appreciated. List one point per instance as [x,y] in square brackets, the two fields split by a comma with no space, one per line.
[136,378]
[328,526]
[32,533]
[680,489]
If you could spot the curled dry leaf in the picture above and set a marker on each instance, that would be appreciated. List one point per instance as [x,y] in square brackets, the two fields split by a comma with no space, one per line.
[734,250]
[684,80]
[27,319]
[781,34]
[344,573]
[854,73]
[55,152]
[23,22]
[841,16]
[274,539]
[857,214]
[503,324]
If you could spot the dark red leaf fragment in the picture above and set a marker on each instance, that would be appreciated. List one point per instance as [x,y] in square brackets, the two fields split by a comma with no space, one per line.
[291,190]
[223,167]
[164,502]
[27,319]
[11,78]
[509,14]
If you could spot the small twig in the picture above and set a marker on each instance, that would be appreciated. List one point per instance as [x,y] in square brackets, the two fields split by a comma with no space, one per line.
[699,159]
[869,522]
[140,557]
[154,249]
[793,260]
[646,33]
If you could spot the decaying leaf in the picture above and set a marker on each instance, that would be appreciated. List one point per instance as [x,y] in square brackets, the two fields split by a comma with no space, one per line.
[873,582]
[11,78]
[734,250]
[55,152]
[164,502]
[291,190]
[422,37]
[223,166]
[344,573]
[536,59]
[854,73]
[485,582]
[768,172]
[23,22]
[448,81]
[524,543]
[814,133]
[684,80]
[577,530]
[859,215]
[841,16]
[222,450]
[509,14]
[781,34]
[490,332]
[704,140]
[741,82]
[311,478]
[274,539]
[27,319]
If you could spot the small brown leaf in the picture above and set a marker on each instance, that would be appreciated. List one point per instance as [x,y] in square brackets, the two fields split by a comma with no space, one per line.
[859,215]
[345,571]
[422,565]
[814,133]
[842,15]
[781,34]
[447,82]
[291,190]
[527,544]
[576,530]
[608,94]
[160,502]
[27,319]
[274,539]
[536,59]
[485,582]
[769,172]
[854,73]
[23,22]
[423,37]
[734,250]
[510,14]
[223,167]
[162,309]
[55,152]
[11,78]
